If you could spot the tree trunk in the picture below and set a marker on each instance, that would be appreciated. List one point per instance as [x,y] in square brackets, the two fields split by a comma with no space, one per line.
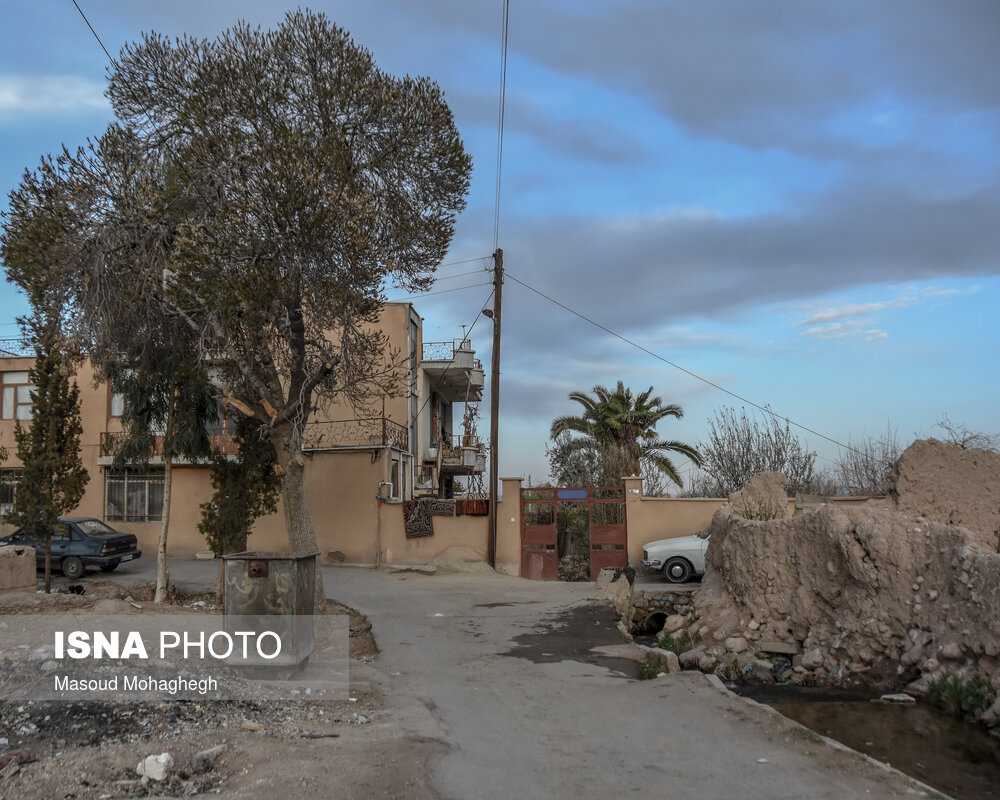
[298,522]
[48,562]
[162,578]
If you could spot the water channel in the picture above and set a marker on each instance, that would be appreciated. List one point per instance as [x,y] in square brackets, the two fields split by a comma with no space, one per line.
[956,758]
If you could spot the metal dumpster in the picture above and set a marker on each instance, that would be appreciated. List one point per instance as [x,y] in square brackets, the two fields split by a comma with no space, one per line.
[272,592]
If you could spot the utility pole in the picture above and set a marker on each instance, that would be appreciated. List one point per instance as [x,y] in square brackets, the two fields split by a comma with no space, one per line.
[491,543]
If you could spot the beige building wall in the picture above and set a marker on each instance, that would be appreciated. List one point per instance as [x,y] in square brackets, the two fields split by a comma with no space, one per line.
[94,417]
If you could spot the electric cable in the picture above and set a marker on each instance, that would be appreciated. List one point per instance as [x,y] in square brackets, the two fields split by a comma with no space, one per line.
[667,361]
[500,118]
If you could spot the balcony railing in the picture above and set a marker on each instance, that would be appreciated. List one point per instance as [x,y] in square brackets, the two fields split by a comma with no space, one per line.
[363,432]
[447,351]
[221,442]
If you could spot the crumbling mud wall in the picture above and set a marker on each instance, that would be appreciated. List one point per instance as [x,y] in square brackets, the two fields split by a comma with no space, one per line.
[947,484]
[892,592]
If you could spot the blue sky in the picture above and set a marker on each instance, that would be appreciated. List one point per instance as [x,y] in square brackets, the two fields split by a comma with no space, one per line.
[796,201]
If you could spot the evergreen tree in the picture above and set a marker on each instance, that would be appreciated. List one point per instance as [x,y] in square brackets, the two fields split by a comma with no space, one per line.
[53,477]
[246,488]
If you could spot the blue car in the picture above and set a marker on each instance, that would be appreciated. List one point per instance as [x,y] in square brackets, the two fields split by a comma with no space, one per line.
[80,542]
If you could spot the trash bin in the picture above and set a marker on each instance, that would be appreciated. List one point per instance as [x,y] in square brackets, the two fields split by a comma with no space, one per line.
[273,592]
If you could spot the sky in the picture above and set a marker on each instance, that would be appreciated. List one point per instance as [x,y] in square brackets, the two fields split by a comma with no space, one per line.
[796,202]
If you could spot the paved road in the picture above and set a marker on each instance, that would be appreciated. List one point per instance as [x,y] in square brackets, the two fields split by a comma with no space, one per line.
[500,670]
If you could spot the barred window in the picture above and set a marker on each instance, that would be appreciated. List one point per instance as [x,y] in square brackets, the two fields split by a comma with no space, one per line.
[133,496]
[8,485]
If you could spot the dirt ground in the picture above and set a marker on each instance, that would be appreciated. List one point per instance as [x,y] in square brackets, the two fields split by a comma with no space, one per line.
[309,746]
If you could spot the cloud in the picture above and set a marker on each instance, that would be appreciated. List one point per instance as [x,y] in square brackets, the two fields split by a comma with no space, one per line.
[934,291]
[846,330]
[855,310]
[47,94]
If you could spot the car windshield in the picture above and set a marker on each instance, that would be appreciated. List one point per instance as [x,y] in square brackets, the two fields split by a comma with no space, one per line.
[94,526]
[703,534]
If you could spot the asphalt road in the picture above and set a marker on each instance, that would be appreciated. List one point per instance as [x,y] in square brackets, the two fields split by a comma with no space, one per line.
[501,671]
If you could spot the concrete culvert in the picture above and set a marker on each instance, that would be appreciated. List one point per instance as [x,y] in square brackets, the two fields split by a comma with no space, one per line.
[655,621]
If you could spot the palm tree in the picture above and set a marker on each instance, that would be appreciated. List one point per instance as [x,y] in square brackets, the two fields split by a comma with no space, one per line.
[620,429]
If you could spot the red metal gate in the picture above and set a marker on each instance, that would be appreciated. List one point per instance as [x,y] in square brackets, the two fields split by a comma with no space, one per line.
[540,529]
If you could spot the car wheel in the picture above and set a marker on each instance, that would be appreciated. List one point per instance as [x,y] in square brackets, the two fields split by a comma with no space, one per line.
[110,567]
[677,570]
[72,567]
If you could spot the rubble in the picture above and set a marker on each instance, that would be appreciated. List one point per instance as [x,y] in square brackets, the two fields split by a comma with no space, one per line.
[155,767]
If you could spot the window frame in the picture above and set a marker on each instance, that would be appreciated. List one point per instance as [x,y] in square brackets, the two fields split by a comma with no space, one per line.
[15,387]
[134,485]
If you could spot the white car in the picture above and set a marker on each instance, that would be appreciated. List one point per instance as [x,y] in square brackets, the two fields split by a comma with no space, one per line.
[679,559]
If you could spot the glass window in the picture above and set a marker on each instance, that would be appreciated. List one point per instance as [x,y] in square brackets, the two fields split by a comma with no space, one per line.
[93,526]
[133,496]
[15,402]
[8,485]
[395,479]
[117,404]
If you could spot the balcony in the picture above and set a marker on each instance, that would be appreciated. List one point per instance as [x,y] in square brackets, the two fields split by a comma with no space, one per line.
[453,369]
[222,443]
[463,455]
[362,433]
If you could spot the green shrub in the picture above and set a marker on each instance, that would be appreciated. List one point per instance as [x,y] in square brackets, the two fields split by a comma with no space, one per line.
[651,666]
[960,697]
[677,644]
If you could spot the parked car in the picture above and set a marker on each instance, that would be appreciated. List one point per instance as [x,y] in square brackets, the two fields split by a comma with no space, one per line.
[678,559]
[80,542]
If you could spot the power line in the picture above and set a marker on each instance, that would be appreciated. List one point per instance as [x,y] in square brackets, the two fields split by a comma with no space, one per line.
[445,291]
[94,32]
[500,118]
[466,261]
[694,375]
[460,275]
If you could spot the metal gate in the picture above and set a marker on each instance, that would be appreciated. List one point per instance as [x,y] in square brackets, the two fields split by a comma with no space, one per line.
[608,540]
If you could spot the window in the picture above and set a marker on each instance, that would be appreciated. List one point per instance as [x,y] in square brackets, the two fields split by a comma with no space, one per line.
[8,485]
[395,479]
[133,496]
[16,397]
[116,404]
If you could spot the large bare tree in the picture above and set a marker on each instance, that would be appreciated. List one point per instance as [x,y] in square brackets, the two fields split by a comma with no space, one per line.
[263,188]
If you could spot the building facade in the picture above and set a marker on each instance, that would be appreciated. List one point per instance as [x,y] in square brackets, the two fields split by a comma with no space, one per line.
[356,463]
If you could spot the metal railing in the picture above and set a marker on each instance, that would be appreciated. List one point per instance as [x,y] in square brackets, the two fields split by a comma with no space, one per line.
[361,432]
[445,351]
[223,443]
[454,444]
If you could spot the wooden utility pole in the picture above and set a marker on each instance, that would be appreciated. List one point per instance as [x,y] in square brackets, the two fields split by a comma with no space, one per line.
[491,543]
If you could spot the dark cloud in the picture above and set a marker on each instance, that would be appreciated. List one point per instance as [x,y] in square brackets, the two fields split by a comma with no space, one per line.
[762,74]
[630,275]
[588,138]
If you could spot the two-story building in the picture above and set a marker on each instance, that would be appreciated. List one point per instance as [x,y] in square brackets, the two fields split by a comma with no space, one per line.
[409,448]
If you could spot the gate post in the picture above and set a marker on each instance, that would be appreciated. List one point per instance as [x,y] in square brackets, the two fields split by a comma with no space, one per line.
[508,553]
[633,497]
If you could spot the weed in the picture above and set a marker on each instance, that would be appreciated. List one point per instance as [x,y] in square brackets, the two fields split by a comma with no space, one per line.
[808,735]
[732,672]
[960,697]
[677,644]
[651,666]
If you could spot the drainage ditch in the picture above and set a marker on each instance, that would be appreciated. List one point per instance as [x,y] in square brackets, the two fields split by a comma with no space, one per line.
[954,757]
